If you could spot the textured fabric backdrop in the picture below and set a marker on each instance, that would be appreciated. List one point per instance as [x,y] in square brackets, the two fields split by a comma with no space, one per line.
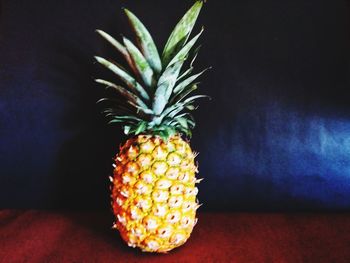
[276,135]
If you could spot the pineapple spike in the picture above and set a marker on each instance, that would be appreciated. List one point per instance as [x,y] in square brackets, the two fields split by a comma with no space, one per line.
[181,32]
[145,41]
[198,206]
[130,81]
[115,43]
[143,68]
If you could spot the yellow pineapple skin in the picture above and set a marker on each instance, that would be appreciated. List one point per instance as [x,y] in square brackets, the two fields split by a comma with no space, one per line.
[154,193]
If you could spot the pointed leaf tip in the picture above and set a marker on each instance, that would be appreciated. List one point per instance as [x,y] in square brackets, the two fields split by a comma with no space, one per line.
[181,32]
[123,75]
[145,41]
[142,67]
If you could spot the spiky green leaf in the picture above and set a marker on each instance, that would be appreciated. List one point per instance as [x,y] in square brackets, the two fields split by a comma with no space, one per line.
[181,32]
[168,79]
[130,81]
[115,43]
[122,49]
[190,99]
[183,53]
[127,117]
[185,92]
[183,84]
[190,107]
[129,95]
[145,41]
[143,68]
[141,127]
[194,55]
[182,121]
[184,74]
[165,87]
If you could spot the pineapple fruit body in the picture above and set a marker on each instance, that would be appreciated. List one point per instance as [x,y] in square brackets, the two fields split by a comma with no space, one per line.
[154,193]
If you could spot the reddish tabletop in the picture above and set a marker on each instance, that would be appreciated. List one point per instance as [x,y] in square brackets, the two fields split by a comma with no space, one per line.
[48,236]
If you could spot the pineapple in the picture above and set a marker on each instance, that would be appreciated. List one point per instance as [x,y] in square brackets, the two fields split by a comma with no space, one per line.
[154,184]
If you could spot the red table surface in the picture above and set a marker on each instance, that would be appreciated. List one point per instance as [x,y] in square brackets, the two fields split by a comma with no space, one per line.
[50,236]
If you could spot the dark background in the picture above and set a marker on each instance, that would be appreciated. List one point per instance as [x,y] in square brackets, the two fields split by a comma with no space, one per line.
[276,135]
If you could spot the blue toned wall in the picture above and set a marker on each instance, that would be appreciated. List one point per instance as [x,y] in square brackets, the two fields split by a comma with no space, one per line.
[275,136]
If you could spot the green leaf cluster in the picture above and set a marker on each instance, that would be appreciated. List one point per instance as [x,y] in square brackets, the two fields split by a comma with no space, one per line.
[157,90]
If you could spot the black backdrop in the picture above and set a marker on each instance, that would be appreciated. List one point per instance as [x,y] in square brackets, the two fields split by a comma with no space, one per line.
[276,135]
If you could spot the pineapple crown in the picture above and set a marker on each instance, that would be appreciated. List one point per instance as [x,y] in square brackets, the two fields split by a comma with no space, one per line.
[156,97]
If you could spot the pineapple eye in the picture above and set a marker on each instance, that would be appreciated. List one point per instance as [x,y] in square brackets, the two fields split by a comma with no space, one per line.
[173,217]
[177,189]
[191,191]
[159,168]
[177,238]
[132,168]
[160,210]
[153,245]
[147,176]
[132,152]
[171,147]
[151,223]
[165,231]
[172,173]
[121,220]
[125,191]
[160,195]
[163,184]
[144,160]
[174,159]
[175,201]
[184,177]
[135,213]
[181,147]
[119,201]
[187,206]
[139,232]
[147,147]
[142,188]
[126,179]
[159,153]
